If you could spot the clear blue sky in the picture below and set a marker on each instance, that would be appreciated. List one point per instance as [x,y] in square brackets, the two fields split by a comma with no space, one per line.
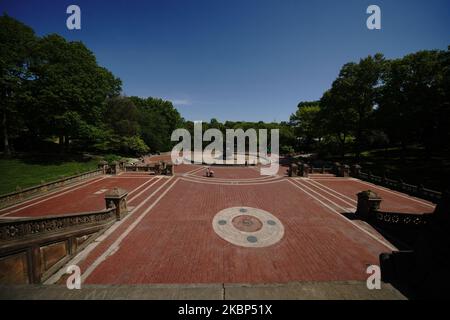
[237,60]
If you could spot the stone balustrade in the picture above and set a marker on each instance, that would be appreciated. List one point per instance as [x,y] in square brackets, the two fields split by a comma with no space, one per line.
[32,249]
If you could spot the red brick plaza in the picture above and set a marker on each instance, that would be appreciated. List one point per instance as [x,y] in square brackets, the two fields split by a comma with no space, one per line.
[169,236]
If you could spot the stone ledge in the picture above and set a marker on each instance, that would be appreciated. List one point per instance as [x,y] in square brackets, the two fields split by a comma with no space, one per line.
[339,290]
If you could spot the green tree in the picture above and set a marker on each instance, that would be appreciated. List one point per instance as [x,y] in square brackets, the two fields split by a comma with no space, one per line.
[122,116]
[67,80]
[16,43]
[157,119]
[413,106]
[306,123]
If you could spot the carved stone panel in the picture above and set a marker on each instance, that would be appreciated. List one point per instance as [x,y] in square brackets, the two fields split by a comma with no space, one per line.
[53,253]
[14,269]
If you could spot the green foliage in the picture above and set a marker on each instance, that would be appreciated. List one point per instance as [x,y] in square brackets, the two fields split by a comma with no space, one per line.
[285,150]
[134,145]
[52,90]
[62,92]
[157,120]
[381,103]
[111,157]
[16,43]
[414,105]
[307,124]
[69,89]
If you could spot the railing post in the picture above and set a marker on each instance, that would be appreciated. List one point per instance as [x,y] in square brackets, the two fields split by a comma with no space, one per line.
[117,198]
[305,170]
[343,170]
[114,167]
[169,169]
[293,170]
[103,165]
[368,203]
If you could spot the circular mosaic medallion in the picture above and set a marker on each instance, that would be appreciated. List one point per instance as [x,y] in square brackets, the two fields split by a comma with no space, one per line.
[248,227]
[247,223]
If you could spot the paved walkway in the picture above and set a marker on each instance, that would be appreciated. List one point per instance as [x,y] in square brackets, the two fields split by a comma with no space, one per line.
[169,237]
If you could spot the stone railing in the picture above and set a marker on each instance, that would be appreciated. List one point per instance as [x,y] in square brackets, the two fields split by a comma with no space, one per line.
[399,185]
[32,249]
[303,170]
[160,168]
[17,196]
[403,219]
[322,170]
[26,228]
[422,270]
[368,209]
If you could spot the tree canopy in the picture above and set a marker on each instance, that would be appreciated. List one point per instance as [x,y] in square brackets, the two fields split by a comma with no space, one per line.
[381,102]
[54,90]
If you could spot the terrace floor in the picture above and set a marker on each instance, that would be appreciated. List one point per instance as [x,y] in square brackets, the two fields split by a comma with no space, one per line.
[178,234]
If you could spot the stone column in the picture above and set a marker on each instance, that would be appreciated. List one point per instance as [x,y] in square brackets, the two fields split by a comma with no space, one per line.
[103,165]
[304,170]
[157,168]
[293,170]
[336,167]
[114,167]
[117,198]
[343,170]
[122,163]
[169,169]
[368,203]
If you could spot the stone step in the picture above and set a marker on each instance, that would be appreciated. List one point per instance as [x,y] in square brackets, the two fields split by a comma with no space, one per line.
[309,290]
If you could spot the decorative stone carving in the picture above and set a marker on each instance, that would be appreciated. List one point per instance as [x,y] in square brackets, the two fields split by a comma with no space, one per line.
[26,227]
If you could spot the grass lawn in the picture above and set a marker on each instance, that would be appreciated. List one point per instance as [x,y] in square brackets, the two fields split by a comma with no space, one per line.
[28,172]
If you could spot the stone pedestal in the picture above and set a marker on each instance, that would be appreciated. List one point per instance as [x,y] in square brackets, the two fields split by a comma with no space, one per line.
[117,198]
[304,172]
[343,170]
[368,204]
[122,164]
[103,165]
[157,168]
[114,167]
[169,169]
[293,170]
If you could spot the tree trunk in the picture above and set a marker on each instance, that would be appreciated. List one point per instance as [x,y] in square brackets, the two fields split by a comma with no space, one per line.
[7,150]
